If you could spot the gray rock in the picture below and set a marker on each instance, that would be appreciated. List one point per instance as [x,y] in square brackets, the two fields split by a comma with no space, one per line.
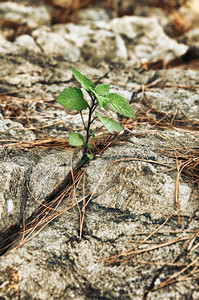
[179,103]
[6,46]
[95,14]
[145,39]
[27,42]
[75,32]
[133,197]
[52,43]
[14,130]
[51,171]
[48,174]
[135,194]
[32,16]
[135,185]
[138,39]
[104,46]
[13,193]
[161,15]
[191,38]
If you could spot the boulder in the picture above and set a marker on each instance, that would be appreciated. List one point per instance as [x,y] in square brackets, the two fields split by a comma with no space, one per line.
[133,188]
[30,15]
[134,197]
[136,236]
[52,43]
[145,39]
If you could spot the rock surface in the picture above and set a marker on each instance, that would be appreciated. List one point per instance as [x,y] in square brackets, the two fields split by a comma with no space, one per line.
[32,16]
[132,239]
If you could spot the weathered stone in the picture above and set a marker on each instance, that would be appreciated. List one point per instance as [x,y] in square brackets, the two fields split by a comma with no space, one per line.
[145,39]
[75,32]
[52,43]
[6,46]
[27,42]
[161,15]
[134,180]
[104,46]
[32,16]
[13,193]
[71,265]
[48,173]
[14,130]
[191,38]
[179,77]
[139,39]
[136,193]
[177,103]
[95,14]
[51,171]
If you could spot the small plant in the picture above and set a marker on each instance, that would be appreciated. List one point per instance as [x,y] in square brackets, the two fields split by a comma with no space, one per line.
[73,98]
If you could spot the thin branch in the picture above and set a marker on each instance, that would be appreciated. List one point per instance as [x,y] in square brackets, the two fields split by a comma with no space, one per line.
[82,119]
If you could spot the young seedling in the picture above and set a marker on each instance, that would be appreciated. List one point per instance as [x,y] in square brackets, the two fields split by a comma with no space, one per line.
[73,98]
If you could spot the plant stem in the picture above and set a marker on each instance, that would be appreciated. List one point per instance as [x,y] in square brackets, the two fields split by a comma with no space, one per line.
[91,110]
[82,119]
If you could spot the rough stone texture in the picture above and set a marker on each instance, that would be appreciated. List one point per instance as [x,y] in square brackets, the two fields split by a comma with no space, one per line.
[175,102]
[6,46]
[144,37]
[95,14]
[139,187]
[191,38]
[138,39]
[32,16]
[104,46]
[51,171]
[134,196]
[136,193]
[71,265]
[12,196]
[27,42]
[14,130]
[51,42]
[43,175]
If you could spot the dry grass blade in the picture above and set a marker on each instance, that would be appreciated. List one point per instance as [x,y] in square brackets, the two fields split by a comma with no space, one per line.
[52,143]
[130,252]
[175,278]
[45,213]
[147,114]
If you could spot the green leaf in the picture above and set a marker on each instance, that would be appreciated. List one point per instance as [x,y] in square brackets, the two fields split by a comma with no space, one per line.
[102,100]
[76,139]
[102,89]
[92,133]
[86,83]
[72,98]
[110,124]
[120,105]
[90,156]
